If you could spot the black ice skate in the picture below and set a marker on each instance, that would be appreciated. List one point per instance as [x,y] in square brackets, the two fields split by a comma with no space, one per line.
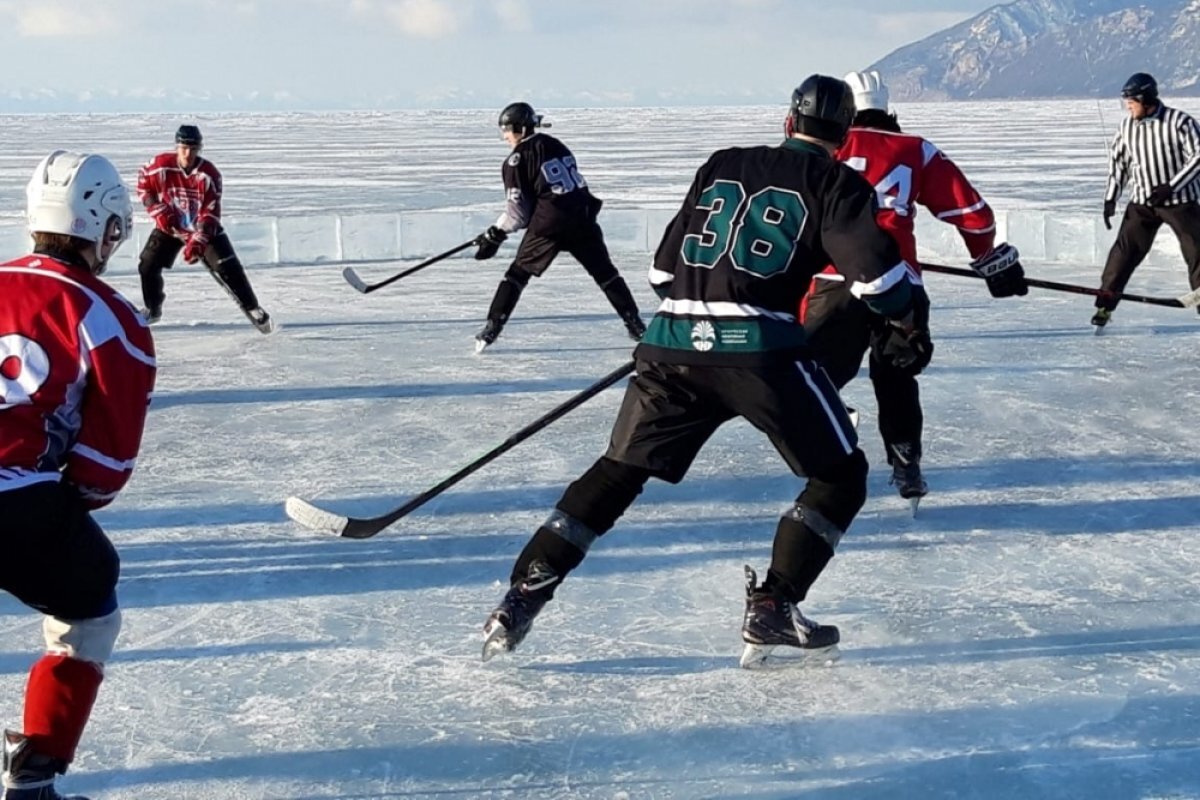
[29,775]
[261,320]
[772,621]
[510,622]
[151,315]
[907,477]
[487,335]
[1100,319]
[634,326]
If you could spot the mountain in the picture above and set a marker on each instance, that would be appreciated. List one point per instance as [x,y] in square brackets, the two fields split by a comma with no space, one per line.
[1052,48]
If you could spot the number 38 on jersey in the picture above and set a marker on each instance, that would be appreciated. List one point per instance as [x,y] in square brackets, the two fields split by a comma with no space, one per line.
[759,232]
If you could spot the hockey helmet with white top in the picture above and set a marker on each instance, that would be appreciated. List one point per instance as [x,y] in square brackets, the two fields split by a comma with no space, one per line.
[79,195]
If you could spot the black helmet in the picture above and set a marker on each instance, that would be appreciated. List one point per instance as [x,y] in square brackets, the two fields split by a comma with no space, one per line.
[1142,87]
[189,134]
[822,107]
[519,118]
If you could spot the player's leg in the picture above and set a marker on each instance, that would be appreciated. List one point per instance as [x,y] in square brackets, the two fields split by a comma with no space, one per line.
[158,254]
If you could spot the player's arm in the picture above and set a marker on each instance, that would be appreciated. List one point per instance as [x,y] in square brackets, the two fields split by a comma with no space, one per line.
[1189,138]
[121,371]
[950,197]
[1118,169]
[670,247]
[149,190]
[520,195]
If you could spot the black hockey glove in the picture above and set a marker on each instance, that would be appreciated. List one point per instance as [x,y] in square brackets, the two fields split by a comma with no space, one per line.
[1159,195]
[1110,210]
[489,243]
[1002,270]
[903,346]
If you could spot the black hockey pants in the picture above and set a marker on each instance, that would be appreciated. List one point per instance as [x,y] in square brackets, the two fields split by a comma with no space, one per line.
[1139,226]
[160,253]
[839,328]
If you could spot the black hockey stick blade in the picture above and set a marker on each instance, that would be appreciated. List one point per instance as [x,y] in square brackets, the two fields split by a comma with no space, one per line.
[318,519]
[366,288]
[1189,300]
[352,278]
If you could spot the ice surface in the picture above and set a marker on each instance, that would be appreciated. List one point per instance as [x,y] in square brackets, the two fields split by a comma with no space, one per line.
[1033,633]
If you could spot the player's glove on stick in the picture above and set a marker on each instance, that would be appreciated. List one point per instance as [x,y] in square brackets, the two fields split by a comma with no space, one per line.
[489,243]
[193,251]
[1002,270]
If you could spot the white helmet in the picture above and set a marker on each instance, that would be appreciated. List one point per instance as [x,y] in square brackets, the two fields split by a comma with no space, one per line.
[78,195]
[869,90]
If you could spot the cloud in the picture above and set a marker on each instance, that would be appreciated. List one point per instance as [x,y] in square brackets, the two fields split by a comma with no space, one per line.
[425,19]
[56,19]
[514,15]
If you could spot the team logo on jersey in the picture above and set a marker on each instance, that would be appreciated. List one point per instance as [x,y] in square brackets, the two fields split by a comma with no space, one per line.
[513,160]
[24,367]
[704,336]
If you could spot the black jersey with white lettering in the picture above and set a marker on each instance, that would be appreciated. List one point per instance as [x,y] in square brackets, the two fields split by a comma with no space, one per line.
[756,225]
[544,191]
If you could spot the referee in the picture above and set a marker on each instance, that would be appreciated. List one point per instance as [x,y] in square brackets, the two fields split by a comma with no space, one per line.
[1157,149]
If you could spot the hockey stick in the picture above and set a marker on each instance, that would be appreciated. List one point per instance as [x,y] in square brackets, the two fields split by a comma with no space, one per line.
[366,288]
[318,519]
[1189,300]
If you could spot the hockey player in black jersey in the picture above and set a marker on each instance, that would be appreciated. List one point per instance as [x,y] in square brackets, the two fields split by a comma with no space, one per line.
[546,195]
[732,266]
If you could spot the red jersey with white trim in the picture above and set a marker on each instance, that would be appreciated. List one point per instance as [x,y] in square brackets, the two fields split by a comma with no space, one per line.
[194,196]
[906,170]
[76,372]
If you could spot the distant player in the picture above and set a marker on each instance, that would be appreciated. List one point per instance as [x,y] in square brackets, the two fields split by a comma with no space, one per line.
[547,196]
[755,226]
[76,372]
[182,194]
[1157,149]
[905,170]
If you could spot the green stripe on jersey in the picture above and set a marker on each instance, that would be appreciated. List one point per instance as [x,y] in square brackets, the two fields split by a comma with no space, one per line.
[701,335]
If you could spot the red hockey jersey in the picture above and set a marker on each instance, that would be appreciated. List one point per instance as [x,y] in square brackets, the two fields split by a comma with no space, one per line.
[906,170]
[76,372]
[193,198]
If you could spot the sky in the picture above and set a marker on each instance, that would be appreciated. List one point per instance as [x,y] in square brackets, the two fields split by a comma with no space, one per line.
[312,54]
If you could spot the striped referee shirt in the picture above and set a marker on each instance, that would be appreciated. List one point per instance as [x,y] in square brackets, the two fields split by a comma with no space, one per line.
[1163,147]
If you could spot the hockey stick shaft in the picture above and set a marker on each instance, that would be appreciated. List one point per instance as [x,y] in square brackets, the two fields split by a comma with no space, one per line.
[1189,300]
[364,528]
[366,288]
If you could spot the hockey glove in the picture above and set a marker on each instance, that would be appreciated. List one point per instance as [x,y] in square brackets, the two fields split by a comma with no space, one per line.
[193,251]
[1110,210]
[489,243]
[902,346]
[1001,268]
[1159,195]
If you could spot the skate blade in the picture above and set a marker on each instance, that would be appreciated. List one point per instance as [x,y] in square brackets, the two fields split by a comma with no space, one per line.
[770,656]
[495,641]
[480,346]
[1098,330]
[913,504]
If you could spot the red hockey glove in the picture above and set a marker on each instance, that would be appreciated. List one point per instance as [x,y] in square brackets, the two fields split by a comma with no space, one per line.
[193,251]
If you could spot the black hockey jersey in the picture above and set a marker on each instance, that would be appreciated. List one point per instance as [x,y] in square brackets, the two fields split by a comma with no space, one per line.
[755,226]
[544,191]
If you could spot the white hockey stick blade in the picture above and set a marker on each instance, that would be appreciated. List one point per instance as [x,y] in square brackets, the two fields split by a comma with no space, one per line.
[1191,299]
[352,278]
[314,518]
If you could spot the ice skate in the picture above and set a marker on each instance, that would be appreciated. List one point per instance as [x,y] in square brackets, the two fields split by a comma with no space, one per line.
[1100,319]
[261,320]
[487,335]
[510,622]
[772,621]
[906,474]
[151,315]
[29,775]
